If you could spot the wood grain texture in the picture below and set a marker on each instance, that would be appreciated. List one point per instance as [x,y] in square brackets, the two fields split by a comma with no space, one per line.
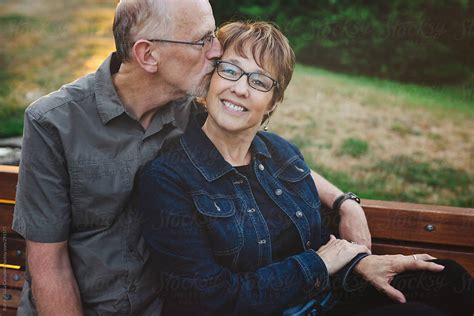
[407,221]
[8,180]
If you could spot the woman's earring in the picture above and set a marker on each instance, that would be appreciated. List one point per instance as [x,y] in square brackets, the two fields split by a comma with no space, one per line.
[267,121]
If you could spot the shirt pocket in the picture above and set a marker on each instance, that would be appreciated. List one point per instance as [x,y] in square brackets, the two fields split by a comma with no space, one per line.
[100,191]
[218,216]
[296,177]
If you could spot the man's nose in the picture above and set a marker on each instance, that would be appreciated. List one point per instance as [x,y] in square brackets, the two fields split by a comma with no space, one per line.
[216,50]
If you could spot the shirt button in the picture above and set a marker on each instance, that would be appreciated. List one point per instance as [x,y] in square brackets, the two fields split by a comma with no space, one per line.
[261,167]
[262,242]
[278,191]
[308,244]
[252,210]
[299,214]
[132,288]
[317,284]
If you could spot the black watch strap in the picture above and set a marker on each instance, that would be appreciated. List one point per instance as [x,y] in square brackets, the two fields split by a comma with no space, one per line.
[341,198]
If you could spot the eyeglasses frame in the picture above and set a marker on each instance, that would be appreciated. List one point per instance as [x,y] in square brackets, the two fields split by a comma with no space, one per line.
[201,43]
[248,74]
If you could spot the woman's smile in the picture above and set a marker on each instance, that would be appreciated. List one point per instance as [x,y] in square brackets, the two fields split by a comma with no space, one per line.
[233,107]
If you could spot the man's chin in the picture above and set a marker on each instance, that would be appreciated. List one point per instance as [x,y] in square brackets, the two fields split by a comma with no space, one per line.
[201,90]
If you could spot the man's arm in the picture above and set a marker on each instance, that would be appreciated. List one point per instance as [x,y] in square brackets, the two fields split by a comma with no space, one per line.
[52,280]
[353,225]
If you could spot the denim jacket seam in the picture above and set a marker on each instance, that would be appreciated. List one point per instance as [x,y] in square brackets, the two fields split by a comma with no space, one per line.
[285,165]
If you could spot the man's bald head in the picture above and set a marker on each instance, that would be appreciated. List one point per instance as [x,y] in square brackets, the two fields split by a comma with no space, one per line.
[136,19]
[142,19]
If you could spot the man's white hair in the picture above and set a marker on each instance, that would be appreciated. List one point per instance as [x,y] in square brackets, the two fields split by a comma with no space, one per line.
[140,19]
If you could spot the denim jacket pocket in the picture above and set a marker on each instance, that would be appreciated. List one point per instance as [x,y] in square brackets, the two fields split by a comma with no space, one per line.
[297,176]
[218,215]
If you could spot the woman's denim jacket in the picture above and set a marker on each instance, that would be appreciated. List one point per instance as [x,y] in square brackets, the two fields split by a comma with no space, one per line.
[209,241]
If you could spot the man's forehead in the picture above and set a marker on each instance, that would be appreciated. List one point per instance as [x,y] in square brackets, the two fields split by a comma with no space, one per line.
[193,17]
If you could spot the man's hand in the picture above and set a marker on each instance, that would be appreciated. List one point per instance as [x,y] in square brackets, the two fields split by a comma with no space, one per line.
[353,225]
[380,270]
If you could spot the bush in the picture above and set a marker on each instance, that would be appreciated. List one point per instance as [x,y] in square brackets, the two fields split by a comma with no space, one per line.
[421,41]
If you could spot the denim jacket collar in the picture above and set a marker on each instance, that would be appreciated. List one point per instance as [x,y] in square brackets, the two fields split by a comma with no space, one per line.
[205,156]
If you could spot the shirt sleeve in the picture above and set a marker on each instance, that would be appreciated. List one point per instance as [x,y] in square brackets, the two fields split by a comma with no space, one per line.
[42,211]
[193,281]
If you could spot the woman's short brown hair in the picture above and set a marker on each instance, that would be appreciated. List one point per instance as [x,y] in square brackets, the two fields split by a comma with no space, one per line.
[270,49]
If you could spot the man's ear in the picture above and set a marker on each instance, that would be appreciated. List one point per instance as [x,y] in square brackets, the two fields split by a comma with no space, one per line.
[146,55]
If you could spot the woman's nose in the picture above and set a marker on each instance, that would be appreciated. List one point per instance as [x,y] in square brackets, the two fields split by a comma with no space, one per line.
[241,86]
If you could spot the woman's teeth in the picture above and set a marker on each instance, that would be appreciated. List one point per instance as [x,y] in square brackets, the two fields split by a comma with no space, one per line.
[233,107]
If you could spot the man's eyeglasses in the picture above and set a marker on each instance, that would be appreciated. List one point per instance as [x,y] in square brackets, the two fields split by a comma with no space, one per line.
[256,80]
[205,42]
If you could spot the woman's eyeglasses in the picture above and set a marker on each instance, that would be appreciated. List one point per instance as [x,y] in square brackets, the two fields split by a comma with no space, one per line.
[256,80]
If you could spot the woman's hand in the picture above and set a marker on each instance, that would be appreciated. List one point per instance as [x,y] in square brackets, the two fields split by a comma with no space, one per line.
[380,270]
[339,252]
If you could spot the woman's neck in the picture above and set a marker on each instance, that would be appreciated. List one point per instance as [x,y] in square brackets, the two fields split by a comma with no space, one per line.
[233,146]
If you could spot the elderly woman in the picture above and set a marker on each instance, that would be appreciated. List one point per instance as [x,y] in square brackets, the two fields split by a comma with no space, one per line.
[232,213]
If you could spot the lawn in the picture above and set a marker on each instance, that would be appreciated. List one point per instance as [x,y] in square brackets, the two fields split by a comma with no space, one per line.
[379,138]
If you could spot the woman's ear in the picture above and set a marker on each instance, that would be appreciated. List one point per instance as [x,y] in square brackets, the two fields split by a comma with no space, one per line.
[272,108]
[146,55]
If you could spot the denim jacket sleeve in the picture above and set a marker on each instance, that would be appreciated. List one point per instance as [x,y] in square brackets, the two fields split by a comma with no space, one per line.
[190,278]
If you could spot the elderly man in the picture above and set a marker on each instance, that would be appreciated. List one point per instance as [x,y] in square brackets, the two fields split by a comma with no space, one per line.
[84,146]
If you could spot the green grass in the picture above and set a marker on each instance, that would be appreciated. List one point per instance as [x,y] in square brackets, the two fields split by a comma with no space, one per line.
[407,180]
[11,118]
[354,147]
[459,98]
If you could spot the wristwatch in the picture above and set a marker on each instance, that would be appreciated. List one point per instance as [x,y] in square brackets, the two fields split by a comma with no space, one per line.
[341,198]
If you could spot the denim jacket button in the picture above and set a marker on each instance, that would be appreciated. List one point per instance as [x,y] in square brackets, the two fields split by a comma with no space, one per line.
[308,244]
[252,210]
[299,214]
[278,191]
[261,167]
[263,241]
[317,284]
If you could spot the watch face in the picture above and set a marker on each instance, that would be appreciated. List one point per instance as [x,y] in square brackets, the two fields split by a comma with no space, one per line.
[354,197]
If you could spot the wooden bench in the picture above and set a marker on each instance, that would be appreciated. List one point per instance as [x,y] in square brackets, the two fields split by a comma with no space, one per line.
[406,228]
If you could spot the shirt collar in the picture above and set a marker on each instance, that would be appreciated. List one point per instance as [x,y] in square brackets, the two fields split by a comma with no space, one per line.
[109,105]
[175,112]
[205,156]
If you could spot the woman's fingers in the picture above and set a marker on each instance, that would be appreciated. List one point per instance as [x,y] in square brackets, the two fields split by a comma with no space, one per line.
[423,256]
[430,266]
[417,262]
[393,293]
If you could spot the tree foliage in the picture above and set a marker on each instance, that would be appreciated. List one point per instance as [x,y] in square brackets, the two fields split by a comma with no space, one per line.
[422,41]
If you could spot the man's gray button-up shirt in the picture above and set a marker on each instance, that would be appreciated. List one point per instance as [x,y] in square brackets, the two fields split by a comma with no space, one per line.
[81,155]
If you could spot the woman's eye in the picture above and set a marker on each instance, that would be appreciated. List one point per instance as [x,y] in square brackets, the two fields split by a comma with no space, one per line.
[230,71]
[258,83]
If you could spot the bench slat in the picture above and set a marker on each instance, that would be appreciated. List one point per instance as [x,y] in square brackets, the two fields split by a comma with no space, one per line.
[6,218]
[409,222]
[15,252]
[15,278]
[8,180]
[10,298]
